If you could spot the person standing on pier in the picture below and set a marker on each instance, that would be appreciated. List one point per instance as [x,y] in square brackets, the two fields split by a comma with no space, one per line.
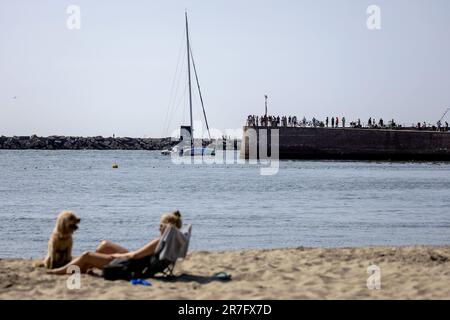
[446,126]
[337,122]
[326,122]
[343,122]
[332,122]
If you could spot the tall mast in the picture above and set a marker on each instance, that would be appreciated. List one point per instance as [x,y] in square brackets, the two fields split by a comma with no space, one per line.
[189,80]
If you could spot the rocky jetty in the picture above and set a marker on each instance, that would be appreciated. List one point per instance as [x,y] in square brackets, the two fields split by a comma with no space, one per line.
[84,143]
[99,143]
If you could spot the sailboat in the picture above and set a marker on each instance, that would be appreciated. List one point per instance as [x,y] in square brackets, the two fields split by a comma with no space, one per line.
[188,131]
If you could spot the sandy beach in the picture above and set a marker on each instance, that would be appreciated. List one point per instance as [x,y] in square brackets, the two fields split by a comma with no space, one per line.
[301,273]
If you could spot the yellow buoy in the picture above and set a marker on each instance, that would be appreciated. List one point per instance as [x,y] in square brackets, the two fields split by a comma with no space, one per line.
[115,166]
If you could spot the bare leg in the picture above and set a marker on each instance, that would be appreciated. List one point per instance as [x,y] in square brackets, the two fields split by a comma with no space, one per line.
[108,247]
[86,261]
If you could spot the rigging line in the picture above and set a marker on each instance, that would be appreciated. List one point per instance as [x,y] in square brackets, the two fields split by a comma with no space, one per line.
[200,93]
[171,108]
[175,97]
[174,90]
[184,104]
[180,100]
[171,98]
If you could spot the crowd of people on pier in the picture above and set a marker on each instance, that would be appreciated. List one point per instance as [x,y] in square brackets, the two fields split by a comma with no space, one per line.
[337,122]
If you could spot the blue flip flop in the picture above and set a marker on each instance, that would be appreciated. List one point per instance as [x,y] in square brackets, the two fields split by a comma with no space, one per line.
[141,282]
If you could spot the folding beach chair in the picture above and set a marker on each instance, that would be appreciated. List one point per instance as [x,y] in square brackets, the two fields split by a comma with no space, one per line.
[173,245]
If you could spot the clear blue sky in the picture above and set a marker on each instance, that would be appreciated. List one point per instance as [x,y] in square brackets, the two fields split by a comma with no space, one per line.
[313,59]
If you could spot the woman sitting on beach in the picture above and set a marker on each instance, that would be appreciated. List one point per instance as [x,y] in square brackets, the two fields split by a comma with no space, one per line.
[108,251]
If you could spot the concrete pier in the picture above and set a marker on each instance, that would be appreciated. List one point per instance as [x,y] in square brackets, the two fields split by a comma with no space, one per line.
[348,143]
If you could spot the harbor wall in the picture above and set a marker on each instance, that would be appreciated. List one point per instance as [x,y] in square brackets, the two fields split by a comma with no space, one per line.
[350,143]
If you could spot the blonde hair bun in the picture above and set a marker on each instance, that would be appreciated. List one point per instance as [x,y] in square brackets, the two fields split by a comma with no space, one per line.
[173,219]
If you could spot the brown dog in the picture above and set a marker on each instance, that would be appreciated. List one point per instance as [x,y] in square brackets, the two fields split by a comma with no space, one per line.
[60,243]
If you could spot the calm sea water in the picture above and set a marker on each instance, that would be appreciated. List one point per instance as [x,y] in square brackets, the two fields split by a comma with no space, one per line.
[308,203]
